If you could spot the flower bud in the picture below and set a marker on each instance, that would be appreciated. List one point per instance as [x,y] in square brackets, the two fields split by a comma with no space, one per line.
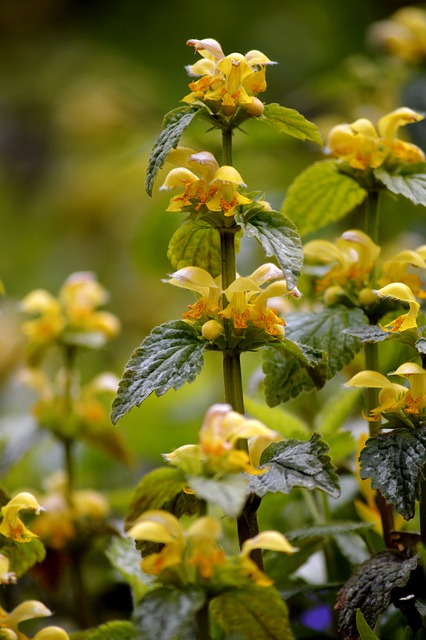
[211,330]
[332,294]
[367,297]
[255,107]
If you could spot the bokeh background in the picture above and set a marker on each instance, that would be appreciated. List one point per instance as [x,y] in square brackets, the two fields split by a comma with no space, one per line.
[84,85]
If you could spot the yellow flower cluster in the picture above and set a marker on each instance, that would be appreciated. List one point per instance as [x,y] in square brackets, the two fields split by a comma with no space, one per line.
[215,187]
[194,555]
[217,452]
[227,82]
[362,147]
[28,610]
[72,317]
[403,34]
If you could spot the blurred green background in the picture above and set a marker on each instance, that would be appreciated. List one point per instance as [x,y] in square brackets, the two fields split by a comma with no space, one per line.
[83,89]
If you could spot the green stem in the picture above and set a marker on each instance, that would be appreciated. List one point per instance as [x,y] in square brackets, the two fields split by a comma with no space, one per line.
[372,215]
[202,623]
[227,147]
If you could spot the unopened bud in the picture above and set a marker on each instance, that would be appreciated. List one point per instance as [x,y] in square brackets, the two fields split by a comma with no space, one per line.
[211,330]
[332,294]
[367,297]
[255,107]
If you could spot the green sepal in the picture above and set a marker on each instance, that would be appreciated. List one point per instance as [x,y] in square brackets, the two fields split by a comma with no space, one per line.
[168,614]
[116,630]
[409,181]
[278,237]
[228,492]
[170,356]
[174,124]
[290,122]
[254,613]
[197,244]
[321,194]
[291,368]
[294,463]
[161,488]
[370,589]
[23,555]
[325,330]
[393,461]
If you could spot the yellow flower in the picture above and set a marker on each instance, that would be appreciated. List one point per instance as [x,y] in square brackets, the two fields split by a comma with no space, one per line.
[395,270]
[6,576]
[402,293]
[350,259]
[164,528]
[204,552]
[11,525]
[391,396]
[227,181]
[200,281]
[28,610]
[228,81]
[415,398]
[403,34]
[271,540]
[362,147]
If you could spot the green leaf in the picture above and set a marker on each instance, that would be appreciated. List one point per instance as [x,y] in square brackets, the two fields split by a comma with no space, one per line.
[278,237]
[410,182]
[168,614]
[321,194]
[325,330]
[158,489]
[197,244]
[256,613]
[292,463]
[291,370]
[393,462]
[365,631]
[116,630]
[229,492]
[124,556]
[291,122]
[308,535]
[170,356]
[174,124]
[368,333]
[23,555]
[370,589]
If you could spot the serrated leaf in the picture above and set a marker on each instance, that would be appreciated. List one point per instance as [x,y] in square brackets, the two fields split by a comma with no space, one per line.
[174,124]
[307,535]
[279,237]
[288,372]
[158,489]
[170,356]
[368,333]
[325,330]
[116,630]
[365,631]
[23,555]
[321,194]
[124,556]
[291,122]
[257,613]
[168,614]
[393,462]
[370,589]
[229,492]
[292,463]
[197,244]
[409,182]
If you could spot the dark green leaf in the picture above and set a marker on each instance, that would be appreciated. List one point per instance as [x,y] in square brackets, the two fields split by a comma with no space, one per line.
[229,492]
[409,182]
[365,631]
[393,462]
[160,489]
[291,122]
[325,330]
[23,555]
[370,589]
[170,356]
[256,613]
[166,614]
[292,463]
[321,194]
[321,532]
[124,556]
[197,244]
[278,237]
[174,124]
[290,369]
[367,333]
[116,630]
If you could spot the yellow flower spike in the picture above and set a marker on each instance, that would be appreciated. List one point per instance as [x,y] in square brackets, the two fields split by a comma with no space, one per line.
[401,292]
[164,528]
[416,397]
[51,633]
[81,294]
[11,525]
[6,576]
[51,320]
[356,144]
